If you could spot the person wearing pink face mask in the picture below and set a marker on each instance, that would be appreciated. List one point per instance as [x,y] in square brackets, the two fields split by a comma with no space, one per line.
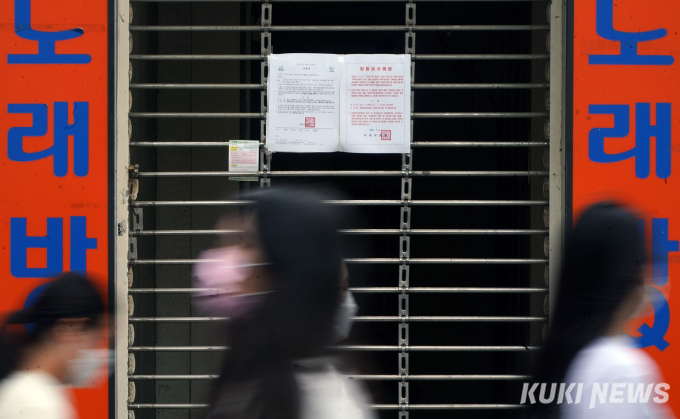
[284,289]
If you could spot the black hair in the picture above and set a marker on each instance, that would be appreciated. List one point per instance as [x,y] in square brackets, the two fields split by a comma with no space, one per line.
[603,263]
[300,241]
[69,296]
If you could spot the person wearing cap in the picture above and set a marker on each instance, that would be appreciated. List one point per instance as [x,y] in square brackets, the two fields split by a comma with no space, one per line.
[49,347]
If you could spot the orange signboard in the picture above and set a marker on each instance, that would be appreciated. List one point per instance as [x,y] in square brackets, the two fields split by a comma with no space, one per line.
[626,79]
[55,148]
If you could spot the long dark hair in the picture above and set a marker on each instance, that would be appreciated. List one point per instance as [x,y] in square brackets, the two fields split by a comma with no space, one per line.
[603,263]
[300,241]
[70,296]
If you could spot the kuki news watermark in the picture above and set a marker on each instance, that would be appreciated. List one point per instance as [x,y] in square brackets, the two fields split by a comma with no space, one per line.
[602,393]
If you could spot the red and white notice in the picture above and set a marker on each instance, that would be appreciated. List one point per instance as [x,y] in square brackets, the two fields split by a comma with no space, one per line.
[348,103]
[375,105]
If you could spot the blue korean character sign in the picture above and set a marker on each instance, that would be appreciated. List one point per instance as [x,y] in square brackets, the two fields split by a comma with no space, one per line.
[625,142]
[54,158]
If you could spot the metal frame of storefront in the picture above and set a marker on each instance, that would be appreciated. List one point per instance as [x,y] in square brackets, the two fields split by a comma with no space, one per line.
[126,178]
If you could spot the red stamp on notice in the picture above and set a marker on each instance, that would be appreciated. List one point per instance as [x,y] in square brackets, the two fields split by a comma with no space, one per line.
[310,122]
[386,135]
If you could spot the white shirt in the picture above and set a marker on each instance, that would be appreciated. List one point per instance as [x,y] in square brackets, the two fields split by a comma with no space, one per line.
[611,360]
[325,393]
[329,394]
[34,395]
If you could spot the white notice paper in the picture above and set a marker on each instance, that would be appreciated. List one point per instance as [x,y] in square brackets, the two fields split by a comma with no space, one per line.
[244,156]
[303,95]
[375,112]
[350,103]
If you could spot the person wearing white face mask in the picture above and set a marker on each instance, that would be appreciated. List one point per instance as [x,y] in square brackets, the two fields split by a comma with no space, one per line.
[284,289]
[50,346]
[348,308]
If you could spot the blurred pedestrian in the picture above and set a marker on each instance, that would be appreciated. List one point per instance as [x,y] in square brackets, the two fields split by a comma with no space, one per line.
[602,286]
[49,346]
[284,289]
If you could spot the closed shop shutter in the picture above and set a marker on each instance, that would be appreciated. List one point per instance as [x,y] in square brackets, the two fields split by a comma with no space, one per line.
[448,254]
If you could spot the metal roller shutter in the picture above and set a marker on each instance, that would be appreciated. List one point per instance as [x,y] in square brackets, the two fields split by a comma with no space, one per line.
[450,262]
